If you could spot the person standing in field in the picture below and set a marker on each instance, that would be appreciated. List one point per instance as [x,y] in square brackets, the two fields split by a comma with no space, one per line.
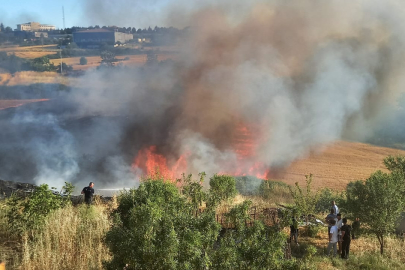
[339,225]
[294,231]
[330,217]
[333,239]
[335,207]
[88,193]
[356,228]
[346,229]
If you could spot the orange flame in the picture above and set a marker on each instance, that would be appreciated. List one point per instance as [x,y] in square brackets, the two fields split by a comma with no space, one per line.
[243,143]
[152,163]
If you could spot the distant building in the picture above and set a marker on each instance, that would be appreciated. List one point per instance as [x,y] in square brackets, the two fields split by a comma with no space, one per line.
[96,37]
[35,26]
[30,34]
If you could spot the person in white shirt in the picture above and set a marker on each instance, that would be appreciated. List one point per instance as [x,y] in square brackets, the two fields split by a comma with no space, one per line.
[333,239]
[339,225]
[335,207]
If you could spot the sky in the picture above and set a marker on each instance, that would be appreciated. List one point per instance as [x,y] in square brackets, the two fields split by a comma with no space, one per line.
[134,13]
[13,12]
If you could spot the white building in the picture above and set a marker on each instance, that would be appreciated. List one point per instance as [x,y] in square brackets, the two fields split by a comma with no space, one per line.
[35,26]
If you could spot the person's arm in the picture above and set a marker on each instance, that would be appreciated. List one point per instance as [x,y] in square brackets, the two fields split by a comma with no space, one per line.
[343,234]
[330,236]
[82,191]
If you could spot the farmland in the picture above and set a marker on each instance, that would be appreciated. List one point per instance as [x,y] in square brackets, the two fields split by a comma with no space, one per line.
[30,52]
[337,165]
[95,61]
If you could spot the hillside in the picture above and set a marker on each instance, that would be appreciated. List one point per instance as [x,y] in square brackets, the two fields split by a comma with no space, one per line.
[337,165]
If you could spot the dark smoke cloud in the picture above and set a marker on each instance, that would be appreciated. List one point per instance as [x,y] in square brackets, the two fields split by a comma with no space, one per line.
[299,74]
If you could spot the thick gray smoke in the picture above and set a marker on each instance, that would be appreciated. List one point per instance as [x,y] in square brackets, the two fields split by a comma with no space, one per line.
[297,75]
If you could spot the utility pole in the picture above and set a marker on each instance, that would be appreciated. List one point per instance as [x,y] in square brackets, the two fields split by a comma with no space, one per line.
[64,28]
[63,16]
[61,67]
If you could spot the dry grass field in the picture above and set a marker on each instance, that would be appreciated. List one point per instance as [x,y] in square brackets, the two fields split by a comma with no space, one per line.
[339,164]
[33,77]
[30,52]
[12,103]
[95,61]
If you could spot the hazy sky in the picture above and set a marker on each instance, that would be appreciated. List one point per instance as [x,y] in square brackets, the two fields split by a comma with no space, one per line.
[13,12]
[134,13]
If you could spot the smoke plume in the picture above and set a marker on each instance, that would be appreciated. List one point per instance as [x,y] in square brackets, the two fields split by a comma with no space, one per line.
[256,84]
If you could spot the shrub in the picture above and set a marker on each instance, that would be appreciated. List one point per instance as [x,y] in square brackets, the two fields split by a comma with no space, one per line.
[269,189]
[156,228]
[326,196]
[222,187]
[29,213]
[247,185]
[305,200]
[249,247]
[83,61]
[310,230]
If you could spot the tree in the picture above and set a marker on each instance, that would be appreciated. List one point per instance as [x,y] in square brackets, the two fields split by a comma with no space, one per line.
[65,68]
[395,163]
[305,201]
[155,228]
[378,202]
[8,29]
[83,61]
[108,57]
[1,27]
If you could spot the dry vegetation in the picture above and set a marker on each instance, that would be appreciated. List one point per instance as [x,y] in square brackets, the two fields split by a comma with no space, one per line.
[72,238]
[337,165]
[95,61]
[33,77]
[30,52]
[12,103]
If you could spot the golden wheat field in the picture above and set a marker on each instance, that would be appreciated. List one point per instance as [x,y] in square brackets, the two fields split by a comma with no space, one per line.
[33,77]
[337,165]
[30,52]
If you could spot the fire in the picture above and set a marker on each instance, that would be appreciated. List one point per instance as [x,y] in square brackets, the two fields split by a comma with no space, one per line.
[151,162]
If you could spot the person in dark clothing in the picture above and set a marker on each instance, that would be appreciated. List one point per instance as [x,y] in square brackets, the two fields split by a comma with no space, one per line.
[356,228]
[294,231]
[346,230]
[88,193]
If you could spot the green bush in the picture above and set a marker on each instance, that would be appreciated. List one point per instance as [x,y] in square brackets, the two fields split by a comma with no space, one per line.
[269,189]
[311,230]
[326,196]
[222,187]
[30,212]
[156,228]
[250,247]
[248,185]
[83,61]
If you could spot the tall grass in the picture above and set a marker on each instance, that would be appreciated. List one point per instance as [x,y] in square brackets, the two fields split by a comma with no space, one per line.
[72,238]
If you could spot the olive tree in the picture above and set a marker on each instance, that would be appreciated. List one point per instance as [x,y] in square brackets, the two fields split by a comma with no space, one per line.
[378,202]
